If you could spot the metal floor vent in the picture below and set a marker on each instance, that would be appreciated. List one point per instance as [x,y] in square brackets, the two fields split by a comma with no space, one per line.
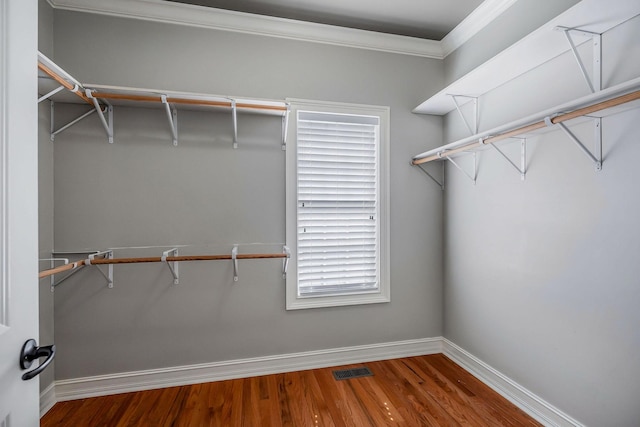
[345,374]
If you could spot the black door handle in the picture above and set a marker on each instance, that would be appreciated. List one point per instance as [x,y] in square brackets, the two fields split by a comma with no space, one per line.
[30,352]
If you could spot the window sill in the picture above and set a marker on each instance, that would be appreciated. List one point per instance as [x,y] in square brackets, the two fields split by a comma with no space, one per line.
[297,303]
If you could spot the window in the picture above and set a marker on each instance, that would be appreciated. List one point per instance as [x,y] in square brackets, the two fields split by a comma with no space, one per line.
[337,210]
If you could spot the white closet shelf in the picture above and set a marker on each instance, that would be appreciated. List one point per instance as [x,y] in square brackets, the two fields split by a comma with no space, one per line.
[542,45]
[51,76]
[57,85]
[597,105]
[138,97]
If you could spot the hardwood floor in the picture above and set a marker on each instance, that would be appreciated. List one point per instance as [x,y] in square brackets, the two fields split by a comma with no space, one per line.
[415,391]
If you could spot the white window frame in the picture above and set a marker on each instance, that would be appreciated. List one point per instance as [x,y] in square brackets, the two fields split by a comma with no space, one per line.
[383,294]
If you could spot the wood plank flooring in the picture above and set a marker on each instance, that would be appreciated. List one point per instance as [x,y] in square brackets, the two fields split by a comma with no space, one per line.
[415,391]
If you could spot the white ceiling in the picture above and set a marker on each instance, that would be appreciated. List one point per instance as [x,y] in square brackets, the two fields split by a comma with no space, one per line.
[427,19]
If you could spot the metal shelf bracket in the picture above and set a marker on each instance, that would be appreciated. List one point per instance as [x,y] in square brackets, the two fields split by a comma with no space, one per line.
[285,125]
[103,254]
[596,156]
[433,178]
[285,261]
[172,116]
[594,83]
[522,169]
[55,132]
[107,123]
[234,258]
[473,176]
[53,92]
[173,265]
[52,265]
[234,116]
[92,254]
[472,129]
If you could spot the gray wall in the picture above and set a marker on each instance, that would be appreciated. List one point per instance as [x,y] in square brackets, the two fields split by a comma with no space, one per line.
[142,191]
[541,276]
[45,194]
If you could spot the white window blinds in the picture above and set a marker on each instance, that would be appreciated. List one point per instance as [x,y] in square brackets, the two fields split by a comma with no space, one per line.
[337,203]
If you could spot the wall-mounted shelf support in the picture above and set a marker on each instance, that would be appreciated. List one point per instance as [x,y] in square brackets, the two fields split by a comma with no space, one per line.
[597,157]
[55,132]
[285,261]
[433,178]
[52,265]
[172,116]
[522,169]
[75,266]
[107,123]
[234,115]
[53,92]
[234,258]
[285,125]
[173,265]
[76,270]
[104,255]
[472,129]
[595,83]
[472,176]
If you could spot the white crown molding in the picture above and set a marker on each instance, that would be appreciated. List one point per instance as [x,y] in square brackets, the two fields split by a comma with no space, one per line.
[218,19]
[80,388]
[524,399]
[482,16]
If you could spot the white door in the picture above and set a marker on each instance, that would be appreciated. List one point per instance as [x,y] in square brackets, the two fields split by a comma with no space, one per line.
[19,399]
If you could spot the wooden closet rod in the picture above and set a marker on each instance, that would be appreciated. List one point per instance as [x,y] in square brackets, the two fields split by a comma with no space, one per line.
[593,108]
[186,101]
[101,261]
[64,83]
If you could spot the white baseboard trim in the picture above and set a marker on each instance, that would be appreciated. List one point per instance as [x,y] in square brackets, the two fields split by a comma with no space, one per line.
[79,388]
[103,385]
[47,399]
[530,403]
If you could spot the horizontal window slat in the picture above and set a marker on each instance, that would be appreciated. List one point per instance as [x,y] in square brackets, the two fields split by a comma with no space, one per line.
[336,134]
[323,146]
[346,180]
[336,250]
[339,271]
[335,173]
[325,285]
[332,156]
[342,197]
[335,237]
[334,206]
[335,272]
[325,127]
[346,146]
[361,223]
[343,164]
[339,277]
[338,254]
[323,232]
[320,193]
[368,262]
[337,188]
[329,248]
[308,214]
